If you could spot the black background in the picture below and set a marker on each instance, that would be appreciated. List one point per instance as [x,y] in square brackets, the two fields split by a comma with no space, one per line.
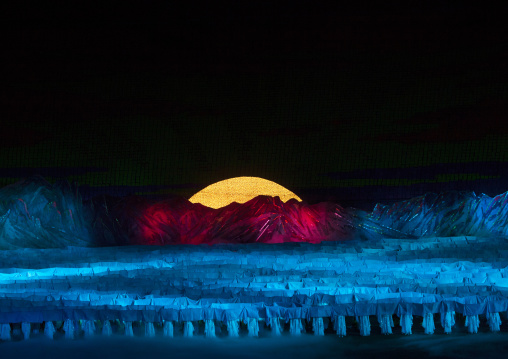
[355,104]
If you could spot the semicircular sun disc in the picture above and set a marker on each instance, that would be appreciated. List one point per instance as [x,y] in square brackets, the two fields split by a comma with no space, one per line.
[240,190]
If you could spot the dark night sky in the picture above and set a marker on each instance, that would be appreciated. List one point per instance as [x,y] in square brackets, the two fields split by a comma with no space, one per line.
[353,105]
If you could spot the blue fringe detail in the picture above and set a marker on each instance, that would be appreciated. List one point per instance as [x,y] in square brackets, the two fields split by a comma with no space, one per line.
[128,329]
[233,328]
[89,328]
[295,327]
[428,323]
[364,325]
[275,325]
[494,321]
[5,332]
[406,322]
[26,328]
[149,330]
[386,323]
[49,329]
[472,323]
[168,328]
[69,328]
[106,328]
[339,324]
[188,329]
[448,321]
[253,327]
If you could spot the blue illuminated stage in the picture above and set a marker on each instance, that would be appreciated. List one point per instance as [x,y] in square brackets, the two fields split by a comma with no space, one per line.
[429,265]
[340,288]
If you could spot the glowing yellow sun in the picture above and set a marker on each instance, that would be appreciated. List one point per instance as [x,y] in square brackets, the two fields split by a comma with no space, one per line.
[240,190]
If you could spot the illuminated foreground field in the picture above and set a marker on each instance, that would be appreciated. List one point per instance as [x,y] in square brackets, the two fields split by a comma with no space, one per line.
[341,288]
[264,278]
